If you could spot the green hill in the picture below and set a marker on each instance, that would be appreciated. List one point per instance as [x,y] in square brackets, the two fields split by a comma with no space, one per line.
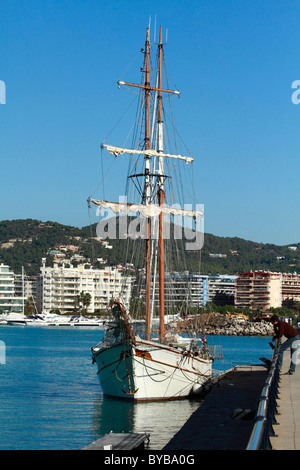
[26,242]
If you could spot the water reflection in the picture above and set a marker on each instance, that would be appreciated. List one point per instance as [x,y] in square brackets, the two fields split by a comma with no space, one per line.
[160,419]
[163,419]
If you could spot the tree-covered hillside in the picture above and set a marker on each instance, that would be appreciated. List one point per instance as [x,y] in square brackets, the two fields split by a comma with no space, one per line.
[26,242]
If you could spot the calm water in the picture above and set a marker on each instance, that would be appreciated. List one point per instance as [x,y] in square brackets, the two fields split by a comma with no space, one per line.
[50,397]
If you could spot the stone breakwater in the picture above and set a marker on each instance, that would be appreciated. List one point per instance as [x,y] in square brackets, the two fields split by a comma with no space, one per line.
[218,324]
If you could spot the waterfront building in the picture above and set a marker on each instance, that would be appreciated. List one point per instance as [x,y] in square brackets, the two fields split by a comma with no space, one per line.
[59,286]
[221,289]
[10,300]
[290,288]
[258,290]
[25,285]
[197,289]
[186,287]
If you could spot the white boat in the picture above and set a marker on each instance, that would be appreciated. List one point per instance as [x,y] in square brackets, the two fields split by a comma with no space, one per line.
[49,319]
[129,366]
[83,321]
[16,318]
[53,319]
[13,318]
[35,320]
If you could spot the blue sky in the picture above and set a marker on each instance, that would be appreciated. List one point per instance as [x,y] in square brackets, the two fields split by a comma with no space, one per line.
[234,62]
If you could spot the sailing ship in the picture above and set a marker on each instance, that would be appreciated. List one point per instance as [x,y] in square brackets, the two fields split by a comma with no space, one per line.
[129,365]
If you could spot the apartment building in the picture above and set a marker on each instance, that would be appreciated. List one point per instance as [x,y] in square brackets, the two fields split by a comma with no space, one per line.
[221,289]
[25,285]
[197,289]
[258,290]
[183,287]
[10,301]
[290,288]
[58,287]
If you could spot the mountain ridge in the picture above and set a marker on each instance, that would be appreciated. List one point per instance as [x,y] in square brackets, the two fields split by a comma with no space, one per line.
[24,242]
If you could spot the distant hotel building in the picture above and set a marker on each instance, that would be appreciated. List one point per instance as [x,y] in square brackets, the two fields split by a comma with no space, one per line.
[197,289]
[58,287]
[220,289]
[264,289]
[259,290]
[25,286]
[290,288]
[10,301]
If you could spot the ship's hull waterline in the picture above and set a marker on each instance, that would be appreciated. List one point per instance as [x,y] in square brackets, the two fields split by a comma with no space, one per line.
[149,372]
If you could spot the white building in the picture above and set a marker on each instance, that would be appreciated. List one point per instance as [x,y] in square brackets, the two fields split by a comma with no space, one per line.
[221,289]
[58,287]
[197,289]
[9,300]
[25,285]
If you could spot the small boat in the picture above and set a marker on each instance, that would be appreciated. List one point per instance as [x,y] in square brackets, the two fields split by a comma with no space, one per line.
[35,320]
[14,318]
[83,321]
[53,319]
[131,364]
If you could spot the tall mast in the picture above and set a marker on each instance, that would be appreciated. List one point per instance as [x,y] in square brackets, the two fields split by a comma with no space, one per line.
[147,193]
[147,182]
[161,195]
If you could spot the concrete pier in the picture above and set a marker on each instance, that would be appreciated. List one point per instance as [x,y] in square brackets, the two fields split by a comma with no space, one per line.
[288,428]
[224,420]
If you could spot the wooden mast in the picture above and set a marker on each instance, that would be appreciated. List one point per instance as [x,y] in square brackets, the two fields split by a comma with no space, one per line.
[146,86]
[147,192]
[161,197]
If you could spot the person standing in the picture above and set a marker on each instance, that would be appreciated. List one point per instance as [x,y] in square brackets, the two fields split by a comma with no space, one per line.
[282,328]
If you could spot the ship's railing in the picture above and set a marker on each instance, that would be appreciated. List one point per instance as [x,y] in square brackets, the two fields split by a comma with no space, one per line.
[266,413]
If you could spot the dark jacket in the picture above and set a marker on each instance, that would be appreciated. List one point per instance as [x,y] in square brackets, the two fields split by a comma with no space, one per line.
[283,328]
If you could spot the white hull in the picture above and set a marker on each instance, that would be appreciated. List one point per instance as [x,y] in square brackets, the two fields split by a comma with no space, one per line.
[50,320]
[149,371]
[36,323]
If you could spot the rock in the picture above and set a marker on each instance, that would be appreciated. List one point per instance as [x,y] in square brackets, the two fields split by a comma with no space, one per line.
[218,324]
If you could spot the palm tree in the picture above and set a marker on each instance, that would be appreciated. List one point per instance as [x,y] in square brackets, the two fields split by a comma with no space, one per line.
[29,308]
[82,301]
[86,300]
[76,303]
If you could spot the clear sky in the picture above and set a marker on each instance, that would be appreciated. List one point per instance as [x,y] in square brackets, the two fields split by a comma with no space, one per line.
[234,62]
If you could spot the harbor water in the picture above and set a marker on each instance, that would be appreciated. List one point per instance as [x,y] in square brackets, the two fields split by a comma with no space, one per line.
[50,397]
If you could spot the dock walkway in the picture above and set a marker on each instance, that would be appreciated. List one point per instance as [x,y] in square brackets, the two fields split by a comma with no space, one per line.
[225,419]
[287,428]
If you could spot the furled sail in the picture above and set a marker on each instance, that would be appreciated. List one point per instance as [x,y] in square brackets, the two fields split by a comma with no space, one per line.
[150,210]
[151,153]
